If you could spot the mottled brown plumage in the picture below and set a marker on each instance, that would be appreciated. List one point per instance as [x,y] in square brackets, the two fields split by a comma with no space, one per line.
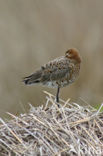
[57,73]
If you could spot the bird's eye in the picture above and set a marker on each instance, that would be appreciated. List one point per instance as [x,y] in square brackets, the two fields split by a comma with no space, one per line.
[70,53]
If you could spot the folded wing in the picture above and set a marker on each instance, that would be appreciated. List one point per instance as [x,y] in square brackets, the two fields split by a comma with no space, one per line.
[52,71]
[55,70]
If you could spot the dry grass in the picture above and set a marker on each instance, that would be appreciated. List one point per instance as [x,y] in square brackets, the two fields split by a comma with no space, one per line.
[51,131]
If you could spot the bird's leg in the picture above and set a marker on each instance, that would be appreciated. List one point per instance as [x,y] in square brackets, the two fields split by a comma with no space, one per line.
[57,95]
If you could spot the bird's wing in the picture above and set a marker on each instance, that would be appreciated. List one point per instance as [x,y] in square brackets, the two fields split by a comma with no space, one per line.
[55,70]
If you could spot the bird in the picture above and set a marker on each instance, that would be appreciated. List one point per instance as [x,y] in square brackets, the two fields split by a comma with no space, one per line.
[57,73]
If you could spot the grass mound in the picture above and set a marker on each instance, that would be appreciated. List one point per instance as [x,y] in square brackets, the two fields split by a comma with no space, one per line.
[68,130]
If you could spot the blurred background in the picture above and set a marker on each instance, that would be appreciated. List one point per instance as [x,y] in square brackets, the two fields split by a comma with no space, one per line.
[33,32]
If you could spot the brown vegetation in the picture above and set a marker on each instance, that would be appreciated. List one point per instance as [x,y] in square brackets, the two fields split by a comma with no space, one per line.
[69,130]
[34,32]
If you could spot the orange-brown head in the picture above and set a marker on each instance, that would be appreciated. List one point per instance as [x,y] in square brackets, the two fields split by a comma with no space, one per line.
[73,54]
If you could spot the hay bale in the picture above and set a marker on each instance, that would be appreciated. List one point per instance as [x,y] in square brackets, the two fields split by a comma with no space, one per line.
[70,130]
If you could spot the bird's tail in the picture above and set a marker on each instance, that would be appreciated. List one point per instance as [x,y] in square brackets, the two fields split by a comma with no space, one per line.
[33,78]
